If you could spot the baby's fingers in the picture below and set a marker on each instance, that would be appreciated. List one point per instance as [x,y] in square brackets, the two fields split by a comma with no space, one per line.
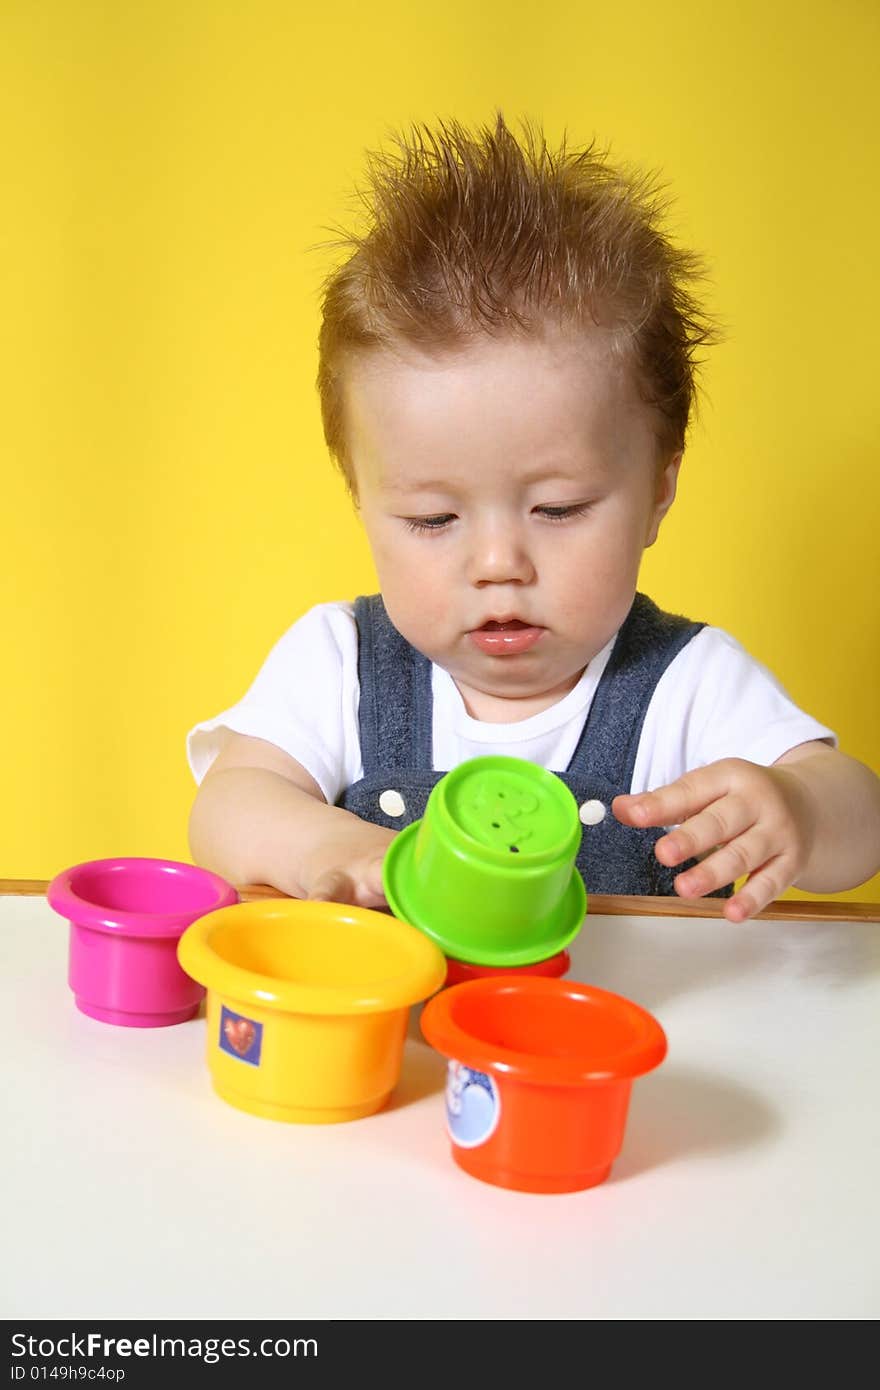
[373,889]
[741,856]
[722,823]
[765,880]
[360,886]
[335,886]
[674,803]
[761,888]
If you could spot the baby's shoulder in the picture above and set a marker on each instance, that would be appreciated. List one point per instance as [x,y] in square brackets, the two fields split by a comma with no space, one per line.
[714,645]
[324,634]
[334,616]
[715,665]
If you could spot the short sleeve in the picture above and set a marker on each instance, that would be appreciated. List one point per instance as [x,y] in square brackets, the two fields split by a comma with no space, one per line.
[716,701]
[304,700]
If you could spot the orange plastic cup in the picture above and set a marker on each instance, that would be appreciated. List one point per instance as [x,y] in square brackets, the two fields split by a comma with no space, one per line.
[457,971]
[540,1074]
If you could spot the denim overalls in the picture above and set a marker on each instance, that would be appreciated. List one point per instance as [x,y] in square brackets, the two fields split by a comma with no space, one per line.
[396,740]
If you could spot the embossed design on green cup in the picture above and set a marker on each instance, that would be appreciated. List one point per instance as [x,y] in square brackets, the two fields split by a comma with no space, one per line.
[489,872]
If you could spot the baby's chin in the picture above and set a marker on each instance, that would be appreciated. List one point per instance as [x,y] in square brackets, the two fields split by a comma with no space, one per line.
[509,694]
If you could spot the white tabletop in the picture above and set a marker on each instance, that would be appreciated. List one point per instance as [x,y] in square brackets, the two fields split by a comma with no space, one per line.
[746,1188]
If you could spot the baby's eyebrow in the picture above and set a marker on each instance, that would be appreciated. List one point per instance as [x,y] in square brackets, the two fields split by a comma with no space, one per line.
[551,474]
[417,485]
[405,492]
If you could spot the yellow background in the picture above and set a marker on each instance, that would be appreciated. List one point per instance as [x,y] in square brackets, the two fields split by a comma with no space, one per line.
[168,506]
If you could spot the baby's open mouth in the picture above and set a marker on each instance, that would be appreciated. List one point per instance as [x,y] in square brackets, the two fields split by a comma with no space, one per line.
[509,626]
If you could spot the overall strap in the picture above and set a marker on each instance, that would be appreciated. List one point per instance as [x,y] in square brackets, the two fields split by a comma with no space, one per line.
[396,702]
[647,643]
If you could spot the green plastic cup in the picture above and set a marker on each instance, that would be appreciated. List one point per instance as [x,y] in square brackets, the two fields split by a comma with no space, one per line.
[489,873]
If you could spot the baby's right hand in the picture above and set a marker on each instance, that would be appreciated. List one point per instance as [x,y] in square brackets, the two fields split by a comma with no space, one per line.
[350,868]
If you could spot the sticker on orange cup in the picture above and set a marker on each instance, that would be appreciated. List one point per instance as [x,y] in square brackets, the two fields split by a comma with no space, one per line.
[473,1106]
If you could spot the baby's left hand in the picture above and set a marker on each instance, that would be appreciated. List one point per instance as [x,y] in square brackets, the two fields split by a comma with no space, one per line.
[756,820]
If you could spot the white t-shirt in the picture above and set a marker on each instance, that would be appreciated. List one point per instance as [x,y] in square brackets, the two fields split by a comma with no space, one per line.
[712,701]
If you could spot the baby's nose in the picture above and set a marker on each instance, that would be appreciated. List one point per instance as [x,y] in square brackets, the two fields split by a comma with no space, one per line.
[500,555]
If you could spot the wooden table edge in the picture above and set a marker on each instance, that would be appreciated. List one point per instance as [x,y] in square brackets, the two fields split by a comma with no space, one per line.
[603,905]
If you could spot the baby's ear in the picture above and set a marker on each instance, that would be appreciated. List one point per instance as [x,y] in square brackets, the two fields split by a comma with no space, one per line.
[664,493]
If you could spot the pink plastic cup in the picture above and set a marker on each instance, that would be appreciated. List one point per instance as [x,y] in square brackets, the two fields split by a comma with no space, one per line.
[126,917]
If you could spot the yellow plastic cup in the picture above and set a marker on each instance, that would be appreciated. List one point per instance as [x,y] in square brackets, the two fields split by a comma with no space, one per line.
[307,1004]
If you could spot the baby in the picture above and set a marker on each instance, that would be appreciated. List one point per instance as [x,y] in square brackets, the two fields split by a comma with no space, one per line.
[507,370]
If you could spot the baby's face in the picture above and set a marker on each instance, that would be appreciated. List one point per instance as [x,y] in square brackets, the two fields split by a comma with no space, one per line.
[514,484]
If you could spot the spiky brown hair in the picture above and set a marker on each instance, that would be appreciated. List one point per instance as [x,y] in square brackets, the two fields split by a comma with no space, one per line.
[478,233]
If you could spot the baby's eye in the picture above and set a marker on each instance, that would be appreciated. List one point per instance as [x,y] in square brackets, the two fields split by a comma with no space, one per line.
[428,523]
[564,513]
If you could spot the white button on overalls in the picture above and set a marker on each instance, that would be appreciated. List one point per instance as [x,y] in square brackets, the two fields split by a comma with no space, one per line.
[392,803]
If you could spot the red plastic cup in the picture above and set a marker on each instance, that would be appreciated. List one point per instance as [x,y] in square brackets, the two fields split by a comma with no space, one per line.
[540,1074]
[457,971]
[126,917]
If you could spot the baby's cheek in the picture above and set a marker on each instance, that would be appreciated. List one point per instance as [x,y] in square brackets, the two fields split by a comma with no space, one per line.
[422,616]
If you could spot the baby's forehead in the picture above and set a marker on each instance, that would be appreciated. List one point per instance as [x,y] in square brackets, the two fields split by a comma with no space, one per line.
[587,370]
[535,389]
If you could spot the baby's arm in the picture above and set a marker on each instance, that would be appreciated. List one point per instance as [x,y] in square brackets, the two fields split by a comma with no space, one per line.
[812,820]
[260,817]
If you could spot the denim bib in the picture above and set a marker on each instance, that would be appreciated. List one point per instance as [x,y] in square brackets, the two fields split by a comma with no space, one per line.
[395,716]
